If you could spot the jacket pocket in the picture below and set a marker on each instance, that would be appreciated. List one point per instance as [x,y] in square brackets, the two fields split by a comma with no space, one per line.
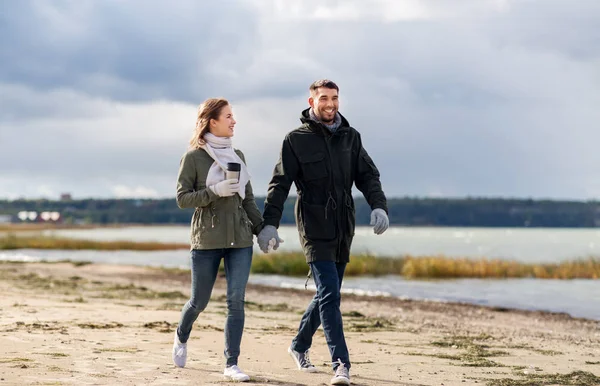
[198,225]
[313,166]
[370,164]
[350,215]
[245,225]
[316,222]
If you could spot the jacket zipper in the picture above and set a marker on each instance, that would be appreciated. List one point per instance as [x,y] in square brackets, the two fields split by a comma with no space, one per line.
[332,182]
[331,179]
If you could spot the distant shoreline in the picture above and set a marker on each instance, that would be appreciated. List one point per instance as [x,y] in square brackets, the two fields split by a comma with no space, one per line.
[33,227]
[403,211]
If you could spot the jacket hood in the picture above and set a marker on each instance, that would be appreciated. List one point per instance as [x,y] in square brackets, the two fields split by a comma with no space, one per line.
[315,126]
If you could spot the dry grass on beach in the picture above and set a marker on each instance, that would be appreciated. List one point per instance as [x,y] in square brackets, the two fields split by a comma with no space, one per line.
[293,263]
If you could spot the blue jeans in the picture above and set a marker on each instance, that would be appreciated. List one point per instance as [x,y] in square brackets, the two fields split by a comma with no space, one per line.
[205,267]
[325,308]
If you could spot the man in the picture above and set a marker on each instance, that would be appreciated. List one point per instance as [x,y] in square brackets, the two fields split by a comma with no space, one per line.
[323,158]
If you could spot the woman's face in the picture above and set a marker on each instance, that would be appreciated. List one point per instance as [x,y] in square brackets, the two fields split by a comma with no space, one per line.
[223,127]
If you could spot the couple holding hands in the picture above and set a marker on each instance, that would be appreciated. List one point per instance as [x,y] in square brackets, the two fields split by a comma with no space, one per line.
[323,157]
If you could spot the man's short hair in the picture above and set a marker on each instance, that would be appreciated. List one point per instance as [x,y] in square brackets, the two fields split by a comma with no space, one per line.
[323,83]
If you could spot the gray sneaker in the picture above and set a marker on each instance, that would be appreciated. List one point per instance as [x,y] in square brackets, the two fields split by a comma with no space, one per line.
[302,361]
[342,375]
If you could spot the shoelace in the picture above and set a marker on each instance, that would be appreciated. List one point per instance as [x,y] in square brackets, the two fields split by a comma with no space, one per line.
[341,369]
[180,351]
[306,360]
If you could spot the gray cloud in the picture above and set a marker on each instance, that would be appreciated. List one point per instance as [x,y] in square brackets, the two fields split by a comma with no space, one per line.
[494,98]
[135,50]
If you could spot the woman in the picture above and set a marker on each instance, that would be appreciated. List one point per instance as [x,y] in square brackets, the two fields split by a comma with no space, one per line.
[224,220]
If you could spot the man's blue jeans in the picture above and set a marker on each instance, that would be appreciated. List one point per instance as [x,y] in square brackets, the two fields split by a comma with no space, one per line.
[325,309]
[205,267]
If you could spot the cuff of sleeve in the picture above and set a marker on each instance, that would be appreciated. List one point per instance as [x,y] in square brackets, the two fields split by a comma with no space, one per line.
[271,221]
[257,228]
[380,207]
[211,193]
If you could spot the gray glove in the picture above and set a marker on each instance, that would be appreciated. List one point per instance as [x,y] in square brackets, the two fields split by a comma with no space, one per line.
[381,221]
[268,238]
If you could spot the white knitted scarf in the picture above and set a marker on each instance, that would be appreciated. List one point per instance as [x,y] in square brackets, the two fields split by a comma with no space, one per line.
[221,150]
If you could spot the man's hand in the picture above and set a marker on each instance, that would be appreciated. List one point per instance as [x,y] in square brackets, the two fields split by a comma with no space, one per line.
[268,239]
[380,221]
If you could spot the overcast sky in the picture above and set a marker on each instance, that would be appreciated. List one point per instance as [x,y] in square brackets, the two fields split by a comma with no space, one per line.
[494,98]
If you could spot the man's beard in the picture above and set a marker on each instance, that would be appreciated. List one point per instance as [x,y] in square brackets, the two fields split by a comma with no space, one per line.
[322,118]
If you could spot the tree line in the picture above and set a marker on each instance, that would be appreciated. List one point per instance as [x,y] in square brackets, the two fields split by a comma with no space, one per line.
[406,211]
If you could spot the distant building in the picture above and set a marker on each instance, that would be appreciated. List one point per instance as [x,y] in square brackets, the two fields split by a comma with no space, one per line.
[5,218]
[50,217]
[66,197]
[27,216]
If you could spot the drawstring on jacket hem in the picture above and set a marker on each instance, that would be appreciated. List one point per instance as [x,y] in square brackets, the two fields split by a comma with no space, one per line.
[307,278]
[333,204]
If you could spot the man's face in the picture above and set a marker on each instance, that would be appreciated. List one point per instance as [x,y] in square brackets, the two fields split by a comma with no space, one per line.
[325,103]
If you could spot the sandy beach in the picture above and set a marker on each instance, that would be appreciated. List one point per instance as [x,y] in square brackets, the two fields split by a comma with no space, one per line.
[94,324]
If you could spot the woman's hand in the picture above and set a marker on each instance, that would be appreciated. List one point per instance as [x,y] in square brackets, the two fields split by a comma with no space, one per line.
[226,188]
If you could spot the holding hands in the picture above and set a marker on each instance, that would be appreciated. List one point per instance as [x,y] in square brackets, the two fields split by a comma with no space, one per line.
[269,239]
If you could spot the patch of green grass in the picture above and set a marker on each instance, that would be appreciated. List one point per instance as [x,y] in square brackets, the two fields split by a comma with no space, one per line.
[371,324]
[33,280]
[16,359]
[472,354]
[170,295]
[131,350]
[57,369]
[547,352]
[100,375]
[579,378]
[279,307]
[534,349]
[290,264]
[353,314]
[75,263]
[54,354]
[38,241]
[100,326]
[76,300]
[11,262]
[209,328]
[170,306]
[444,267]
[171,271]
[592,363]
[294,264]
[119,291]
[40,326]
[162,326]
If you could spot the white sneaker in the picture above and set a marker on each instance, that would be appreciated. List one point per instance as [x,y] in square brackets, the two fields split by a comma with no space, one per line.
[179,351]
[234,372]
[342,375]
